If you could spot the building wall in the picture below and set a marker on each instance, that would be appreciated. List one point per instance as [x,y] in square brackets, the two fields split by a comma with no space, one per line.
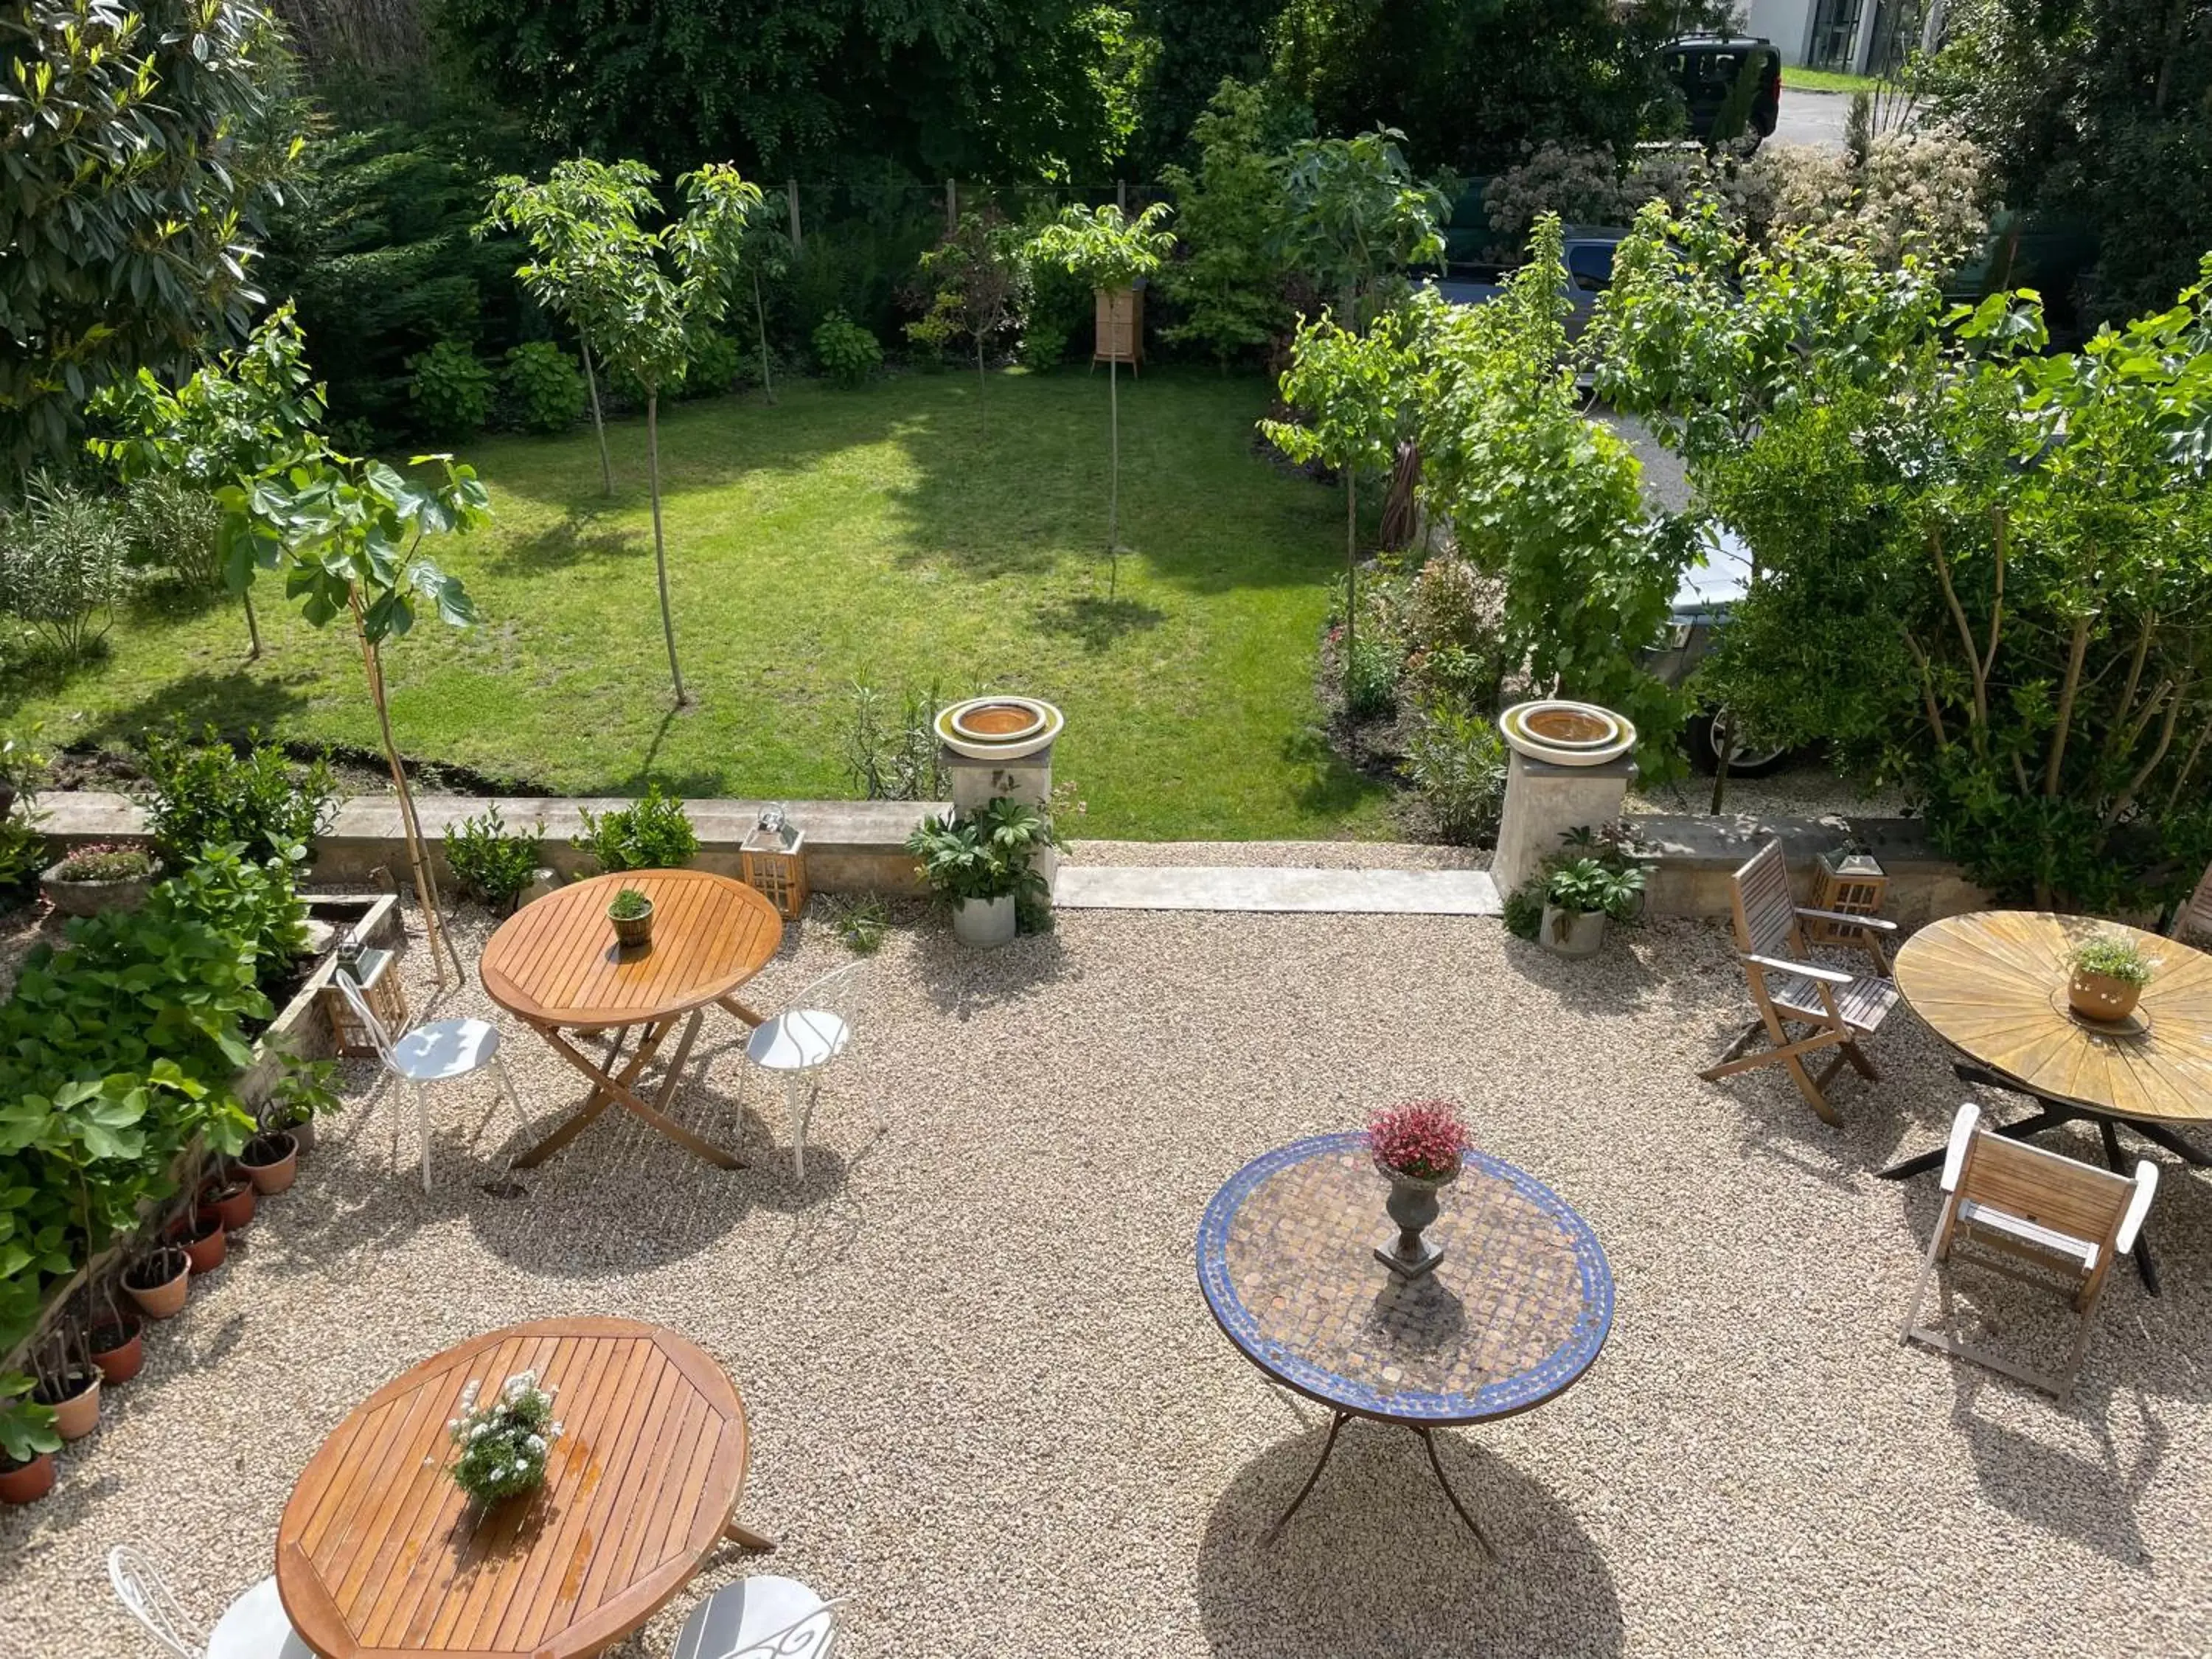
[1787,23]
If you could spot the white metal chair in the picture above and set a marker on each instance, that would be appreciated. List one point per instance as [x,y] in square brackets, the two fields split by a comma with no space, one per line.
[436,1053]
[2063,1222]
[801,1043]
[252,1627]
[760,1618]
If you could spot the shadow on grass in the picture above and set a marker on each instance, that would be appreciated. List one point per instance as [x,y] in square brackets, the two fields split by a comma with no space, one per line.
[1326,785]
[233,704]
[1097,623]
[576,540]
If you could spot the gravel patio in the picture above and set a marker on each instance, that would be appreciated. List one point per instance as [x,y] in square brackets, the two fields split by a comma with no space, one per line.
[990,1408]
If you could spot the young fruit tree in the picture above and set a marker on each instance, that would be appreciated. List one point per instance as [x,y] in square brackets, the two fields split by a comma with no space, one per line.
[640,296]
[1106,248]
[1356,217]
[552,216]
[973,277]
[348,536]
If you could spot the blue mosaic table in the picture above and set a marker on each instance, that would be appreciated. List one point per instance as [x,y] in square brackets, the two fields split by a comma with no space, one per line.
[1511,1317]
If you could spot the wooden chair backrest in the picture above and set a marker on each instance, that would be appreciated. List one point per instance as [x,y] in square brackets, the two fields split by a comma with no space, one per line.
[1765,913]
[2045,1187]
[2193,925]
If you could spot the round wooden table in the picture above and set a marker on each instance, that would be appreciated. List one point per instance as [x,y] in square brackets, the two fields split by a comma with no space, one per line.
[1993,986]
[555,964]
[1512,1316]
[379,1554]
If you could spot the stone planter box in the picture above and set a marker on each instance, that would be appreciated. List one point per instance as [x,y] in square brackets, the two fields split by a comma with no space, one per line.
[89,898]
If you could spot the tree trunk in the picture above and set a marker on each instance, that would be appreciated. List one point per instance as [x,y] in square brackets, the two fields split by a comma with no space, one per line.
[253,627]
[1113,474]
[2068,689]
[410,827]
[598,420]
[982,420]
[760,318]
[1350,568]
[660,548]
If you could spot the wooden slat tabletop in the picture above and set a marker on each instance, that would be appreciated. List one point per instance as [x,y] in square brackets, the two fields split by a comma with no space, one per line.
[1993,984]
[379,1554]
[556,962]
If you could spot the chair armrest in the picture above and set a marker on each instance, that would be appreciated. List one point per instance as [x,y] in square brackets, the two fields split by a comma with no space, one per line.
[2138,1206]
[1875,924]
[1783,965]
[1962,1134]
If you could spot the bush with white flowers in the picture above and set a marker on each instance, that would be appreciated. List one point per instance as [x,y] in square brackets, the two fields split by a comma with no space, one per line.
[500,1447]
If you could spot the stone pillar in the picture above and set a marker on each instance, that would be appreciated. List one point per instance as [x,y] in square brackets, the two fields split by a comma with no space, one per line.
[1543,801]
[975,783]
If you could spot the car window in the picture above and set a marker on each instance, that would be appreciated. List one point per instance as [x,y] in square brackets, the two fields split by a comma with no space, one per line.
[1589,266]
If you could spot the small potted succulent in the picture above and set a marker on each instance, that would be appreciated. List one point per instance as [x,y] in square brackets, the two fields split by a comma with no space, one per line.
[984,866]
[1419,1147]
[105,875]
[631,912]
[500,1447]
[2110,972]
[27,1443]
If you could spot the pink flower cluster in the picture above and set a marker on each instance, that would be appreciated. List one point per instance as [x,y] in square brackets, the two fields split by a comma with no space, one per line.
[1422,1138]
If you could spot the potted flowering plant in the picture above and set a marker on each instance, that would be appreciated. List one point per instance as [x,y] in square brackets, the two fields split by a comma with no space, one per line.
[1419,1146]
[2110,972]
[500,1448]
[105,875]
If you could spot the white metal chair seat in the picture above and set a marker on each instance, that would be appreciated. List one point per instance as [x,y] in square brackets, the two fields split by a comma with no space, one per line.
[760,1618]
[252,1627]
[436,1053]
[1864,1003]
[445,1048]
[797,1040]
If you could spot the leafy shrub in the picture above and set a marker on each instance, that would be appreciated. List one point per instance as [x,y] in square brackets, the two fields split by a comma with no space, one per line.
[1370,678]
[208,794]
[252,901]
[1592,886]
[894,755]
[712,366]
[1523,909]
[545,388]
[22,851]
[654,833]
[63,565]
[106,861]
[175,527]
[1456,760]
[1056,311]
[861,922]
[848,354]
[490,862]
[451,391]
[990,854]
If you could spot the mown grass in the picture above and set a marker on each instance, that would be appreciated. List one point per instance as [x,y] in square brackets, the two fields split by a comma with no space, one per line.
[1812,80]
[886,534]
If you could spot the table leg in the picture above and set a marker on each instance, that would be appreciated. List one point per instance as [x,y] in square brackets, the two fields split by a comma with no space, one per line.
[2049,1117]
[617,1090]
[744,1538]
[2144,1265]
[2158,1135]
[603,1084]
[1335,1427]
[739,1009]
[1428,1439]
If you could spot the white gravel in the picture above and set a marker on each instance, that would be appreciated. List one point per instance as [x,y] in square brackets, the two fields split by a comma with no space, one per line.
[991,1408]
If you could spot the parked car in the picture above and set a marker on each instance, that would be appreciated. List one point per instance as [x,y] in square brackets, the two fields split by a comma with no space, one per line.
[1710,589]
[1709,69]
[1588,253]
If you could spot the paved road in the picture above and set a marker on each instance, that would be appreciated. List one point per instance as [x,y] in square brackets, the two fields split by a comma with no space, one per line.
[1811,118]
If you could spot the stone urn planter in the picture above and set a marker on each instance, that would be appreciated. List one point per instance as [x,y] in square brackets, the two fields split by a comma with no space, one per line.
[1415,1205]
[1571,932]
[986,924]
[1565,734]
[74,897]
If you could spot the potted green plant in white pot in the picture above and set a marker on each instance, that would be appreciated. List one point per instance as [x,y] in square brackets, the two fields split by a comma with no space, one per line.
[1579,894]
[984,866]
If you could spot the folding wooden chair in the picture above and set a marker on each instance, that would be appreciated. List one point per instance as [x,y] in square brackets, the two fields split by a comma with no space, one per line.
[2193,922]
[1837,1008]
[2065,1221]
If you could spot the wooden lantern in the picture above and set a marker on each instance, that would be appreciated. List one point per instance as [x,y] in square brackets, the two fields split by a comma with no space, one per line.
[377,974]
[1851,883]
[772,861]
[1121,329]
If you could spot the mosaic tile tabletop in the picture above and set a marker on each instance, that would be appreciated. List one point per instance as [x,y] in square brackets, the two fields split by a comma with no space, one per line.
[1516,1310]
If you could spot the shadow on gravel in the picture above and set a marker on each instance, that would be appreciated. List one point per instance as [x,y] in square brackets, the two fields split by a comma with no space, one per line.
[964,982]
[1376,1563]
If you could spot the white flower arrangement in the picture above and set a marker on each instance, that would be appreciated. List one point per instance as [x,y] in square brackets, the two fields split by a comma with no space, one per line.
[503,1446]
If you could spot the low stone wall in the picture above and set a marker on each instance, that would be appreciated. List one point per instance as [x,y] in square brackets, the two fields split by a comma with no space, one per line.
[1698,855]
[852,846]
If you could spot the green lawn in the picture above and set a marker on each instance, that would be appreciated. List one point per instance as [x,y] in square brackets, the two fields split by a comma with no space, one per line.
[874,533]
[1812,80]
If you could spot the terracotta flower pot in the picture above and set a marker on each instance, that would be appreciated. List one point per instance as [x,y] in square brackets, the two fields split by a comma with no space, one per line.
[271,1161]
[631,932]
[232,1200]
[75,1414]
[26,1483]
[2101,996]
[158,1283]
[202,1241]
[119,1351]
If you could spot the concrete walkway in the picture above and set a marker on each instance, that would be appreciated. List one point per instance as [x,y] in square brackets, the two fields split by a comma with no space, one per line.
[1260,887]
